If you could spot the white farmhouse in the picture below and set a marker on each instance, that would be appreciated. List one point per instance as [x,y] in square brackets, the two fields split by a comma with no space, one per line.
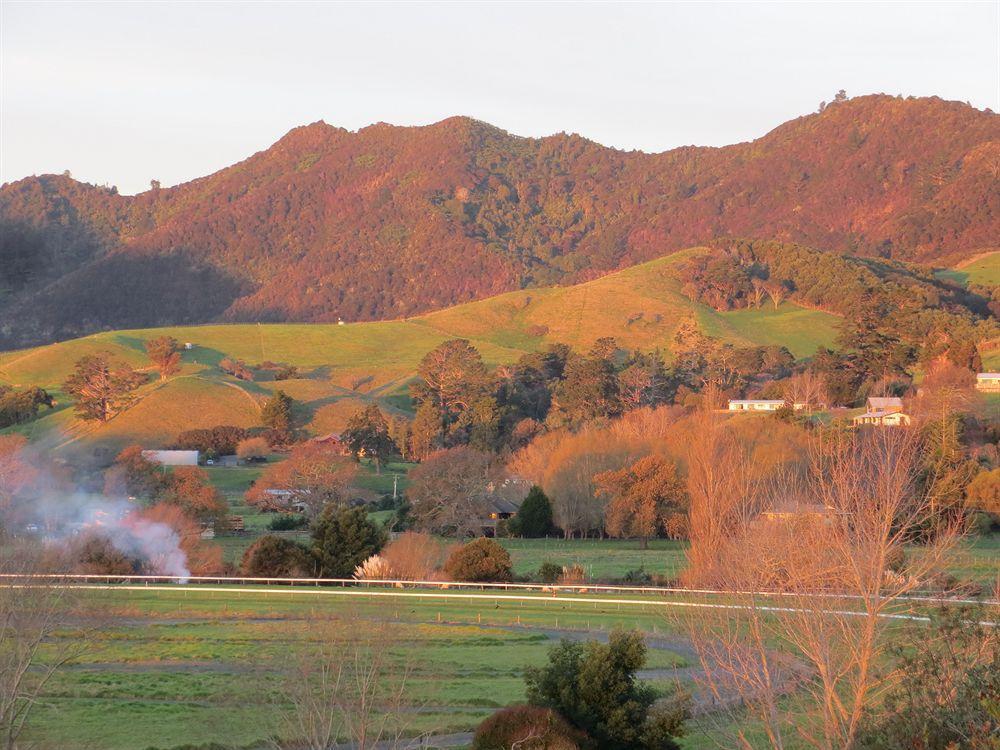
[883,412]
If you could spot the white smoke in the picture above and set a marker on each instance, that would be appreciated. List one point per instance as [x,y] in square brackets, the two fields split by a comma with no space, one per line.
[59,518]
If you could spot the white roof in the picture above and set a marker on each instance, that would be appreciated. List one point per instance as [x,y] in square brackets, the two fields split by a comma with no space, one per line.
[756,401]
[988,375]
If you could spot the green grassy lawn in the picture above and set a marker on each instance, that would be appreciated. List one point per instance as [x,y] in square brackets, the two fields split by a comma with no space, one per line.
[603,560]
[182,669]
[175,669]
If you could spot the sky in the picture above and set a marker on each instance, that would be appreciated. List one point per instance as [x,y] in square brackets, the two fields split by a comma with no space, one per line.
[120,93]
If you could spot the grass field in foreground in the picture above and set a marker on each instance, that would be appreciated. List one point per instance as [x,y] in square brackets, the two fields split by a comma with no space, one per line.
[342,367]
[187,668]
[178,669]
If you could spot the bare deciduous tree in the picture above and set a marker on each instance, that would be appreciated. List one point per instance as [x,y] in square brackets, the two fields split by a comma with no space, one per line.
[348,689]
[807,388]
[833,547]
[723,489]
[31,614]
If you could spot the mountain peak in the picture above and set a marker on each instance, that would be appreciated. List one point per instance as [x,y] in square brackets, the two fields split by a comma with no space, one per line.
[391,221]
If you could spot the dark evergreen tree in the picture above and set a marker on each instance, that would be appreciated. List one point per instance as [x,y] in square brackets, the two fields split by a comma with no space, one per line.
[343,538]
[277,414]
[594,687]
[534,517]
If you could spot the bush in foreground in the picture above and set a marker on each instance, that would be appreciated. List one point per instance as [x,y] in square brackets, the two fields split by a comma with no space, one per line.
[594,687]
[948,692]
[482,560]
[526,728]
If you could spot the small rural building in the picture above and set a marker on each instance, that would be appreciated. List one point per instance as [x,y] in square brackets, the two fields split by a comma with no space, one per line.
[882,411]
[988,381]
[500,509]
[172,458]
[756,404]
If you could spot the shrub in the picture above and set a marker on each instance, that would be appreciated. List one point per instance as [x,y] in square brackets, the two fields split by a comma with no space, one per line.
[414,556]
[573,574]
[637,577]
[375,568]
[593,686]
[983,492]
[288,522]
[946,696]
[526,728]
[343,538]
[275,557]
[549,572]
[482,560]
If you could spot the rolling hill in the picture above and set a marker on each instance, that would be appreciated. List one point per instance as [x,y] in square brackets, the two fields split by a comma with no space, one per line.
[343,366]
[389,222]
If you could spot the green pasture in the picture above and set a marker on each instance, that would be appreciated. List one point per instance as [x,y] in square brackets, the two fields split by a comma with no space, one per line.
[188,668]
[983,269]
[185,669]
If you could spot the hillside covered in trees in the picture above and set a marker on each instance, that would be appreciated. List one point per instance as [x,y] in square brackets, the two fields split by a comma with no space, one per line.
[390,221]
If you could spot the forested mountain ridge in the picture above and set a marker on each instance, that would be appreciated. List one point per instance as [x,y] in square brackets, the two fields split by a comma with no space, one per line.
[391,221]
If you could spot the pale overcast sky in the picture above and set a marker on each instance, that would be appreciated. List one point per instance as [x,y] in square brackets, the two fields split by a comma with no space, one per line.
[121,92]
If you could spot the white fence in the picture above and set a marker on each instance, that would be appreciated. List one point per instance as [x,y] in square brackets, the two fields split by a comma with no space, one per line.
[538,588]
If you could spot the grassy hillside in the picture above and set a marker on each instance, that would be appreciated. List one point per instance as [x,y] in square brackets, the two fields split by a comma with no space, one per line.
[983,269]
[342,366]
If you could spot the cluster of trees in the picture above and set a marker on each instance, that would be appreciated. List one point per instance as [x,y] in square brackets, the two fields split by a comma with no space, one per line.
[236,367]
[341,538]
[895,314]
[831,527]
[630,476]
[20,406]
[186,487]
[461,403]
[312,476]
